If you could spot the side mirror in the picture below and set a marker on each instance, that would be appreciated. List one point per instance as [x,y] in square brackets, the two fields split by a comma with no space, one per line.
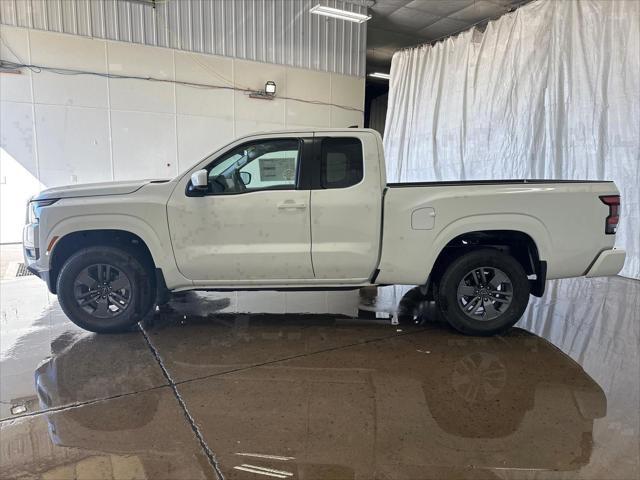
[245,177]
[200,180]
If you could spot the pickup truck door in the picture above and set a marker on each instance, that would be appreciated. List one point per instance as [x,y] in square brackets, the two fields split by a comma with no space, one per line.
[252,223]
[346,206]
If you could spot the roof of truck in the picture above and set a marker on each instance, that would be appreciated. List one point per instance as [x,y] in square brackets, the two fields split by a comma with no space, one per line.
[309,129]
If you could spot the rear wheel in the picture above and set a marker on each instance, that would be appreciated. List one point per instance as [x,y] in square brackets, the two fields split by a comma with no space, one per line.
[483,292]
[105,289]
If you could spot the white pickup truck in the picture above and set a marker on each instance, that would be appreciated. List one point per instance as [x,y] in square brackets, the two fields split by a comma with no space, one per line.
[312,210]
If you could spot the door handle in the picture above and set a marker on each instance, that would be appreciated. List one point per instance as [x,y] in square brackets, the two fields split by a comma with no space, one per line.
[290,204]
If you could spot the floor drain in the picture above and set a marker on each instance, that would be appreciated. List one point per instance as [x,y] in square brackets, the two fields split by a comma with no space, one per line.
[22,271]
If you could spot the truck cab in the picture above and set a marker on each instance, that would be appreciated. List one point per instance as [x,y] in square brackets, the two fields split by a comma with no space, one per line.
[298,208]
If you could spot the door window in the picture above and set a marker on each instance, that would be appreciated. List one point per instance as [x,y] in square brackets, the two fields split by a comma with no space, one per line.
[341,162]
[260,165]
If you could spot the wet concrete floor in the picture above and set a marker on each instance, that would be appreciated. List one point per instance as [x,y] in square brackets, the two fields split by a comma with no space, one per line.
[212,388]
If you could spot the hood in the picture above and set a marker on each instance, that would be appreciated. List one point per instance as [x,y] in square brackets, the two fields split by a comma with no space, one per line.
[94,189]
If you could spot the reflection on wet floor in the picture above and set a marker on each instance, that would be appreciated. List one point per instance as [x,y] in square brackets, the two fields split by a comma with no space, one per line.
[141,436]
[52,363]
[421,400]
[323,396]
[227,343]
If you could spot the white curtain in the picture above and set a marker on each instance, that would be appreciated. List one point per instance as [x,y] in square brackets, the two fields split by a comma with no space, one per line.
[551,90]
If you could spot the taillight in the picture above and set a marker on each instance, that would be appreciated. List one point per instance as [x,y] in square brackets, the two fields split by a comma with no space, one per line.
[611,222]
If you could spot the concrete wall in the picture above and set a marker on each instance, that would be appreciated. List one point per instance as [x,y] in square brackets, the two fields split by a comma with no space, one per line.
[63,129]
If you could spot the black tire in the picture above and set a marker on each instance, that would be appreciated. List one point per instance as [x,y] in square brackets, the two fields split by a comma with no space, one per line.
[140,289]
[451,304]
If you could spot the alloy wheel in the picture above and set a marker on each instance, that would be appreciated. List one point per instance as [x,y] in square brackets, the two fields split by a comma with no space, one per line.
[485,293]
[102,290]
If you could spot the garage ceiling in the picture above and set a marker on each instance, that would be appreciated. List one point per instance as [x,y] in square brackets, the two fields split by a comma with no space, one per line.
[404,23]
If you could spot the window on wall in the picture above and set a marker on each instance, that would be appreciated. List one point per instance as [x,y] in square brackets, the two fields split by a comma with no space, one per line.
[260,165]
[341,162]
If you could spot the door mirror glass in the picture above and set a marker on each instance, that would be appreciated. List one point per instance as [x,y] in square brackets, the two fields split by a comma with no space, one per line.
[245,177]
[200,179]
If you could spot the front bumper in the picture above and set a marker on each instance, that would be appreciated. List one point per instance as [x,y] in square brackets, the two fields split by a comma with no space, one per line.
[30,248]
[608,262]
[34,260]
[44,275]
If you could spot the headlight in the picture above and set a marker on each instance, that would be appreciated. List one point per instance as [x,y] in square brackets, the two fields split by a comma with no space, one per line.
[35,207]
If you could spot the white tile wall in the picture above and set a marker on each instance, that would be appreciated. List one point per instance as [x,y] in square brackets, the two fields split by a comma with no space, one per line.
[308,85]
[16,88]
[345,118]
[68,52]
[347,91]
[199,136]
[247,127]
[144,145]
[208,70]
[139,60]
[17,135]
[89,128]
[73,144]
[307,115]
[18,167]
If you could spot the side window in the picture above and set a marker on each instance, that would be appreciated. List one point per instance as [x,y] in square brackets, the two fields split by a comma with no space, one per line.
[267,164]
[341,162]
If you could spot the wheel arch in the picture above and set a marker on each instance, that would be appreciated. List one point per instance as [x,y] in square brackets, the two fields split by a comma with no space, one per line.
[155,236]
[517,243]
[68,244]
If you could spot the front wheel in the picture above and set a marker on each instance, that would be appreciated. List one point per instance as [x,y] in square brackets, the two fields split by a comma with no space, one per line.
[105,289]
[483,292]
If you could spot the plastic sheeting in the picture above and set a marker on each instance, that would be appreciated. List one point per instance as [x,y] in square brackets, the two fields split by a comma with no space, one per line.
[551,90]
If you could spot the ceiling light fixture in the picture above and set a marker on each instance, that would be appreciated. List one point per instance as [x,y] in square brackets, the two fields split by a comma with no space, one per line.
[340,14]
[384,76]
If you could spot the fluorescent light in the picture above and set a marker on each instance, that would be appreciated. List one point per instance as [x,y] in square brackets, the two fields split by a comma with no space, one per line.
[385,76]
[341,14]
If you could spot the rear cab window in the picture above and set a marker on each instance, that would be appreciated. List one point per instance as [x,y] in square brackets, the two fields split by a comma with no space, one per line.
[341,162]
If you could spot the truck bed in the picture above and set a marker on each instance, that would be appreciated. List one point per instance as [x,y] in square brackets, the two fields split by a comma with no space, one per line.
[565,219]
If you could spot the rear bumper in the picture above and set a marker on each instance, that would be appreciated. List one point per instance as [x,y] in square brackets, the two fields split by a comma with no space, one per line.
[608,262]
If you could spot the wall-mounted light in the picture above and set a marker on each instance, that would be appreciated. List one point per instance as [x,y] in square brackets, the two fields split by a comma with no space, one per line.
[267,94]
[384,76]
[18,409]
[270,88]
[340,14]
